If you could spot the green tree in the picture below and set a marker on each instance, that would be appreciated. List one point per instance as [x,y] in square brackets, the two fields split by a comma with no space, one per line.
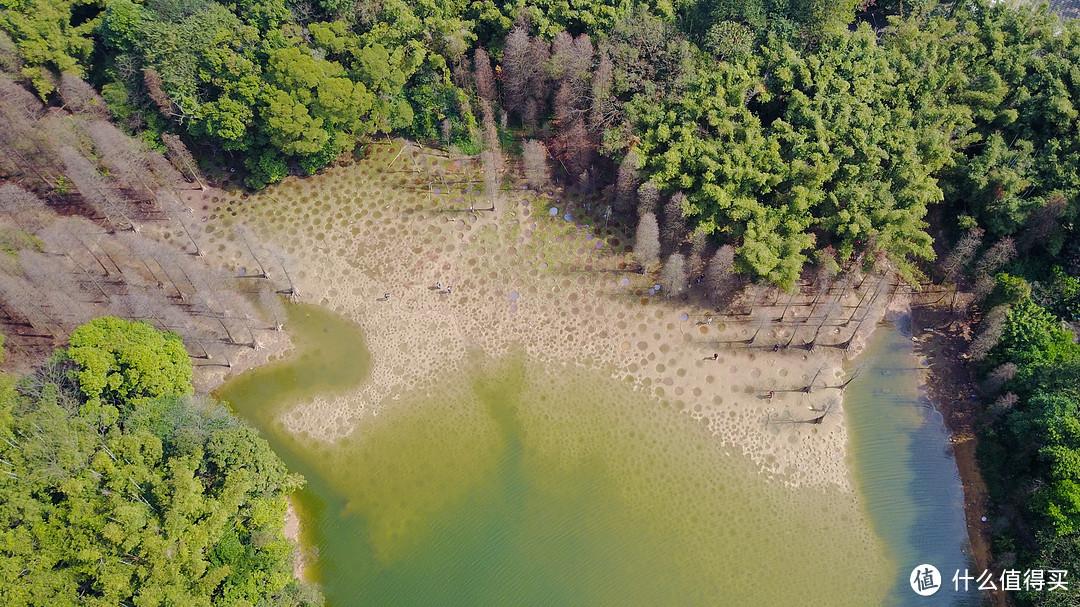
[119,361]
[174,501]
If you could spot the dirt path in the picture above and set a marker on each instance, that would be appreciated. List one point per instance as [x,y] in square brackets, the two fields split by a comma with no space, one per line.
[950,385]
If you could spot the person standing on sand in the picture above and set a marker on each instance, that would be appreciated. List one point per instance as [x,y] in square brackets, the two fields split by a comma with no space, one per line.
[715,356]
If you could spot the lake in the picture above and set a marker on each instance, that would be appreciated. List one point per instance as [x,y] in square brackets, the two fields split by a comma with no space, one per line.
[516,483]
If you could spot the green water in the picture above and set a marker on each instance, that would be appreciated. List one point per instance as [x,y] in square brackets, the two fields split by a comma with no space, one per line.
[904,469]
[515,484]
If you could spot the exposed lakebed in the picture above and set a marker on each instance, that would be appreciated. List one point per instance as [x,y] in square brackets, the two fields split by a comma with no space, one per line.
[519,483]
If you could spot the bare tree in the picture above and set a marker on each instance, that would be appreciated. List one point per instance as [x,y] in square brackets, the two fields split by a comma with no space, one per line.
[1003,404]
[62,289]
[562,49]
[574,148]
[490,167]
[626,184]
[952,267]
[183,325]
[698,241]
[147,252]
[1044,222]
[95,188]
[602,110]
[999,254]
[287,263]
[825,271]
[762,322]
[579,64]
[990,331]
[490,132]
[66,237]
[255,253]
[239,308]
[25,147]
[446,129]
[140,302]
[673,275]
[984,286]
[530,113]
[674,221]
[565,106]
[826,312]
[81,98]
[24,305]
[23,207]
[517,69]
[126,157]
[648,196]
[647,242]
[483,76]
[181,214]
[719,277]
[271,302]
[534,160]
[182,158]
[18,102]
[539,83]
[1001,375]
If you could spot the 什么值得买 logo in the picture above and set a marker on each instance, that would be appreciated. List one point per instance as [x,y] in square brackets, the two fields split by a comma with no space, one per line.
[925,580]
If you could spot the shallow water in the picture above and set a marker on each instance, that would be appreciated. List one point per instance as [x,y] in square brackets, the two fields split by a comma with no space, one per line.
[518,484]
[904,467]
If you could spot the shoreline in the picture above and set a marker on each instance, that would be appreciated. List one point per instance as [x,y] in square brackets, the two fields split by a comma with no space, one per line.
[949,384]
[292,531]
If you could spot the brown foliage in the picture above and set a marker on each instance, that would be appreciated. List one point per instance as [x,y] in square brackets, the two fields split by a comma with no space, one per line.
[574,148]
[1044,223]
[153,83]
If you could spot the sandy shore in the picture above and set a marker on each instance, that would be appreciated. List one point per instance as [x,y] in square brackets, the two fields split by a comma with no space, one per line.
[527,275]
[292,533]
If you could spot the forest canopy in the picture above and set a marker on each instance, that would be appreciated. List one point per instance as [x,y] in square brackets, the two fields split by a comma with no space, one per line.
[169,500]
[783,129]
